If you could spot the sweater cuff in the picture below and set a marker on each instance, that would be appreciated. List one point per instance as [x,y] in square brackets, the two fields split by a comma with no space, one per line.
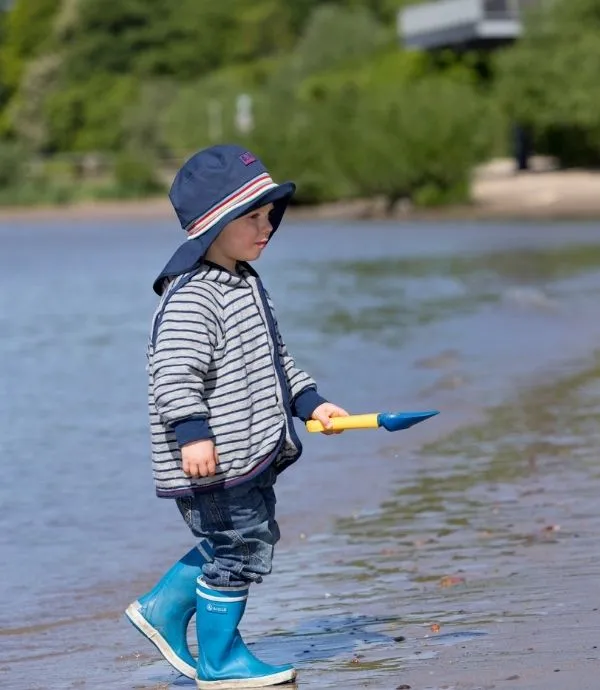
[305,403]
[192,429]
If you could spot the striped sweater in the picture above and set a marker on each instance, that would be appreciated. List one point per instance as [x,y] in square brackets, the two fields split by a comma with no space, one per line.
[219,369]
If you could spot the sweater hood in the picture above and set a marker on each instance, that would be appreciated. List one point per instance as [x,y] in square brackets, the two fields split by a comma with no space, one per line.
[218,274]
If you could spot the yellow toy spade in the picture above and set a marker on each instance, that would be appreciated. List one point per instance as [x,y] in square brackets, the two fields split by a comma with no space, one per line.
[392,421]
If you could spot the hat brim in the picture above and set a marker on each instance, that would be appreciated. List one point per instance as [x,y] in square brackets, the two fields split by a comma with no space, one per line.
[190,254]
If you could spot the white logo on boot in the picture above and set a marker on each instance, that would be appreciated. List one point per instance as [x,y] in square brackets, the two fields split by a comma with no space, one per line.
[214,608]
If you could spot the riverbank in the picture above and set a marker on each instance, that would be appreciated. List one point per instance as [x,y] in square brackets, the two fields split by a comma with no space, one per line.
[459,554]
[497,193]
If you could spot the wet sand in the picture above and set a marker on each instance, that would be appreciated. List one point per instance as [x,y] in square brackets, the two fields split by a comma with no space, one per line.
[479,570]
[503,536]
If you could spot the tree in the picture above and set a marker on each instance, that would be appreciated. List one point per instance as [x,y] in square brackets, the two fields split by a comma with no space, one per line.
[184,40]
[418,141]
[3,85]
[335,35]
[27,26]
[549,79]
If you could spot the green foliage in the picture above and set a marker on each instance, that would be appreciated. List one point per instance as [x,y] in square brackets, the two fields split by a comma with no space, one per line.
[419,141]
[401,137]
[156,38]
[336,103]
[26,113]
[334,36]
[549,80]
[25,183]
[384,10]
[4,92]
[135,175]
[186,39]
[261,28]
[203,113]
[89,116]
[145,117]
[27,26]
[293,138]
[13,161]
[385,69]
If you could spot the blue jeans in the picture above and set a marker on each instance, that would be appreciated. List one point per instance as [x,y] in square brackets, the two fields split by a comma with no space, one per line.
[240,524]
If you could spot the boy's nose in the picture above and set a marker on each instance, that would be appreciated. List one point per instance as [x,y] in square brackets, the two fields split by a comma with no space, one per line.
[266,228]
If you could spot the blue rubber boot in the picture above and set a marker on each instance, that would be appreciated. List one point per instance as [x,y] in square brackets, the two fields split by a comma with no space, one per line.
[163,614]
[224,661]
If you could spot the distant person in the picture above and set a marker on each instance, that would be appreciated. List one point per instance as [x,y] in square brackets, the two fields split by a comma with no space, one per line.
[522,147]
[222,393]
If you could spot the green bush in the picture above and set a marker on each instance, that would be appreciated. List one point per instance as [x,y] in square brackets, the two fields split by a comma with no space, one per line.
[13,164]
[336,104]
[334,36]
[420,136]
[548,81]
[25,33]
[203,113]
[90,116]
[135,176]
[292,139]
[184,40]
[24,183]
[418,141]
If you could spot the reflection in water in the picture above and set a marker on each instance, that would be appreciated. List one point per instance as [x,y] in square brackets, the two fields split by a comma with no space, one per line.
[388,296]
[319,639]
[455,552]
[460,538]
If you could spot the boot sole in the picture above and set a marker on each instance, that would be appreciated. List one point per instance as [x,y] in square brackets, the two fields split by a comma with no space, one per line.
[138,621]
[260,682]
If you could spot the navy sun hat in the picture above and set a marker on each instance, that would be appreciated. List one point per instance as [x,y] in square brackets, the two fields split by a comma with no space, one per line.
[214,187]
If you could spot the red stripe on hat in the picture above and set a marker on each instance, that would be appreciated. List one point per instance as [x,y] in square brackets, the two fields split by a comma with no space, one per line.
[247,192]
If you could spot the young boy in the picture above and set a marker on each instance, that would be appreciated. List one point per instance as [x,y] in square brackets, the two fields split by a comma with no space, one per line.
[222,392]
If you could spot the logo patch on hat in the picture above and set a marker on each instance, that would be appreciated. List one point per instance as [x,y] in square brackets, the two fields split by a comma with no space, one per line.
[247,158]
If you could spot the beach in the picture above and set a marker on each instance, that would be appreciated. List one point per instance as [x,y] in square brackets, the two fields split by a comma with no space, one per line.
[458,555]
[497,192]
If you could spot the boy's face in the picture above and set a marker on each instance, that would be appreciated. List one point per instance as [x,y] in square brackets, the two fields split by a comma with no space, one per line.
[243,239]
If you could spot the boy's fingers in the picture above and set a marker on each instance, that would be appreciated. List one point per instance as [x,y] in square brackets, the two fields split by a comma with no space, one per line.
[324,419]
[339,412]
[195,469]
[200,464]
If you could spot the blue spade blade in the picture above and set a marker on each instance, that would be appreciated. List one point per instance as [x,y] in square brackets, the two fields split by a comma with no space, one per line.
[395,421]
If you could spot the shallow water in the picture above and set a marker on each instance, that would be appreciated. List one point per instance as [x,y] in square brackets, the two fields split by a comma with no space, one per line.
[481,521]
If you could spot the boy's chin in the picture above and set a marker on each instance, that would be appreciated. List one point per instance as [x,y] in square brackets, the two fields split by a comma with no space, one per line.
[254,254]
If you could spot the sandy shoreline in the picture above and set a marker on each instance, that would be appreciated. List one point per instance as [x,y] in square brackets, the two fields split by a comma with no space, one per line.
[497,193]
[461,556]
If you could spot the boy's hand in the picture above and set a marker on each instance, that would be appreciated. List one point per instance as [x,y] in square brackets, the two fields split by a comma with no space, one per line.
[200,458]
[323,414]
